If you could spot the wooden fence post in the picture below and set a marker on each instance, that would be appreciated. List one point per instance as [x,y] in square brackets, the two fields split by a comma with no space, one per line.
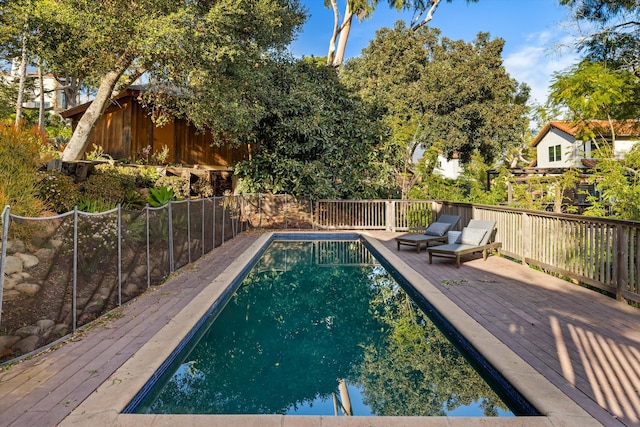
[621,262]
[527,233]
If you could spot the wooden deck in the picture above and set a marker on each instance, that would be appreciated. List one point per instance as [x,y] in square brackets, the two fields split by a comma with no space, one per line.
[587,344]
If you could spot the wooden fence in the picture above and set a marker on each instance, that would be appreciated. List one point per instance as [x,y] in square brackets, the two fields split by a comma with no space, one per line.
[603,253]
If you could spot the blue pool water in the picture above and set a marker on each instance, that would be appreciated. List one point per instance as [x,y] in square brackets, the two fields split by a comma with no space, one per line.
[311,315]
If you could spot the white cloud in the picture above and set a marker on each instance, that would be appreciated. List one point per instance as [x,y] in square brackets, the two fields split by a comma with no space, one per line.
[535,62]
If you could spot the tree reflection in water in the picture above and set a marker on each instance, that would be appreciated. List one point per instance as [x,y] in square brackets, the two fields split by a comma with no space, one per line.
[297,326]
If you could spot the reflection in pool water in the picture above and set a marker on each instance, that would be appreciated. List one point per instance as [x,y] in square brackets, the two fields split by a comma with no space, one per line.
[308,315]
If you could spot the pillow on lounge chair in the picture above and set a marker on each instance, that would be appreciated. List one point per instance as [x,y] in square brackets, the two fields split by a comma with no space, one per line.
[472,236]
[437,229]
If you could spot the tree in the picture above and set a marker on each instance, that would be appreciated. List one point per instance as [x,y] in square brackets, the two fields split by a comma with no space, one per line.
[440,91]
[188,49]
[423,13]
[609,31]
[315,138]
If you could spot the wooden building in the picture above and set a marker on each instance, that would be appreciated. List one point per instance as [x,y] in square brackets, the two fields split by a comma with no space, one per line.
[126,129]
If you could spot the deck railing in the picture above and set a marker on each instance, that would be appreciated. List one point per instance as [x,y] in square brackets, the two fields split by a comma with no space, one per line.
[602,253]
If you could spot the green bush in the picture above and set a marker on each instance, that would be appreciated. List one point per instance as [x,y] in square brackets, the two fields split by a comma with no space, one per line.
[108,185]
[58,191]
[180,186]
[20,158]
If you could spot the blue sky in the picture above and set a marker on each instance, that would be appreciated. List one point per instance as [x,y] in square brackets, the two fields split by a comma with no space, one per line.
[532,30]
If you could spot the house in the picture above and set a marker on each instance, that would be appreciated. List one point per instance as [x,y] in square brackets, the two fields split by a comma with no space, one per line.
[54,98]
[558,144]
[127,131]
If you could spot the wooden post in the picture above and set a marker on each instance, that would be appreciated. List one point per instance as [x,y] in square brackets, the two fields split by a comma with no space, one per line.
[527,233]
[621,264]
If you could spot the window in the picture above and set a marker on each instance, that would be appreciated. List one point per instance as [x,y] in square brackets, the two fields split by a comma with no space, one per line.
[554,153]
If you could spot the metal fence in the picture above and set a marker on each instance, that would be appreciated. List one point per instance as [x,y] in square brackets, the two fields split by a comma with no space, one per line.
[59,273]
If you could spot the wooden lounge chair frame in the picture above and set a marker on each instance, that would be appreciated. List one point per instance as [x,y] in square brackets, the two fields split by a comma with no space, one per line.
[417,239]
[456,250]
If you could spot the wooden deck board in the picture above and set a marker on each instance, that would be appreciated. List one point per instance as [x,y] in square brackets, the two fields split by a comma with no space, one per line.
[566,332]
[585,343]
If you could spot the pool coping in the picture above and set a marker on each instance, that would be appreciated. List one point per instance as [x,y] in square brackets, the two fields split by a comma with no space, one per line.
[104,405]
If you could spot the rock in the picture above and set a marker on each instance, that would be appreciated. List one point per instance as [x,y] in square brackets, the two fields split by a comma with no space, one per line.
[104,292]
[25,331]
[12,265]
[15,246]
[140,271]
[44,253]
[10,295]
[131,290]
[24,275]
[61,329]
[45,325]
[10,283]
[28,288]
[28,261]
[28,344]
[6,342]
[55,243]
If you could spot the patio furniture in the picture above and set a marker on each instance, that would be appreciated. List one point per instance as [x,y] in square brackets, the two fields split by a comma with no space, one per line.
[477,236]
[436,232]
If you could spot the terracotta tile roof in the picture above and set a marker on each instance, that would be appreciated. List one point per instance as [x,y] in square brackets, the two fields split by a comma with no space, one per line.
[624,128]
[589,163]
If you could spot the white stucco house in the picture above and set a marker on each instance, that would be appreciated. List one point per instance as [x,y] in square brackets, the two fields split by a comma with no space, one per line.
[557,146]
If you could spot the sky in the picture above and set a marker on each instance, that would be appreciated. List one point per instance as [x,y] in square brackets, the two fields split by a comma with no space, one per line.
[532,30]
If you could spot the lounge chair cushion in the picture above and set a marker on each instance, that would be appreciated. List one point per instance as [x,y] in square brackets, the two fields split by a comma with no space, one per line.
[472,236]
[437,229]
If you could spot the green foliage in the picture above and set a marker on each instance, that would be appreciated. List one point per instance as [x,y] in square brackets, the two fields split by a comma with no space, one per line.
[209,50]
[316,139]
[435,90]
[179,185]
[160,196]
[591,90]
[86,204]
[20,157]
[618,185]
[97,154]
[107,185]
[58,191]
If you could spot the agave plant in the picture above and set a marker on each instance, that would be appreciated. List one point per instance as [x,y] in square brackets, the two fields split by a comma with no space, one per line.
[160,196]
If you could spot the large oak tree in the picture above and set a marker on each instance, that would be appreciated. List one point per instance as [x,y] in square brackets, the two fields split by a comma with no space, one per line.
[435,90]
[189,49]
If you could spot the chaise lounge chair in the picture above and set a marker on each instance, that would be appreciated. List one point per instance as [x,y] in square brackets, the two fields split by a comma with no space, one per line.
[436,232]
[477,236]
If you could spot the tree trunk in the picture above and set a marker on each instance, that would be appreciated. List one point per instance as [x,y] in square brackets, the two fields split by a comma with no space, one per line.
[41,127]
[344,35]
[82,133]
[23,77]
[336,30]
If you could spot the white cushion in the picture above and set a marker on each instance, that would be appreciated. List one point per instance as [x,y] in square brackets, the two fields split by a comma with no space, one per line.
[437,229]
[472,236]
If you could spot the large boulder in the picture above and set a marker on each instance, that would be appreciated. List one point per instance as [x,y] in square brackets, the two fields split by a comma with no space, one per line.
[13,264]
[28,261]
[28,288]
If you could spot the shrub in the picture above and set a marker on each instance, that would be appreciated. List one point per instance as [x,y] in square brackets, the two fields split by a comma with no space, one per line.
[20,158]
[180,186]
[58,191]
[108,185]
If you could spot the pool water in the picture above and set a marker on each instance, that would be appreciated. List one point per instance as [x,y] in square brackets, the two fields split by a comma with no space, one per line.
[321,328]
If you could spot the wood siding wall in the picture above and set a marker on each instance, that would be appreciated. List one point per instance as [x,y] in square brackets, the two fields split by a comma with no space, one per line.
[126,129]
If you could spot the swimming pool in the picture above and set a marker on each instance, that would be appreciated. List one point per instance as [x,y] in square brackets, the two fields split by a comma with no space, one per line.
[377,352]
